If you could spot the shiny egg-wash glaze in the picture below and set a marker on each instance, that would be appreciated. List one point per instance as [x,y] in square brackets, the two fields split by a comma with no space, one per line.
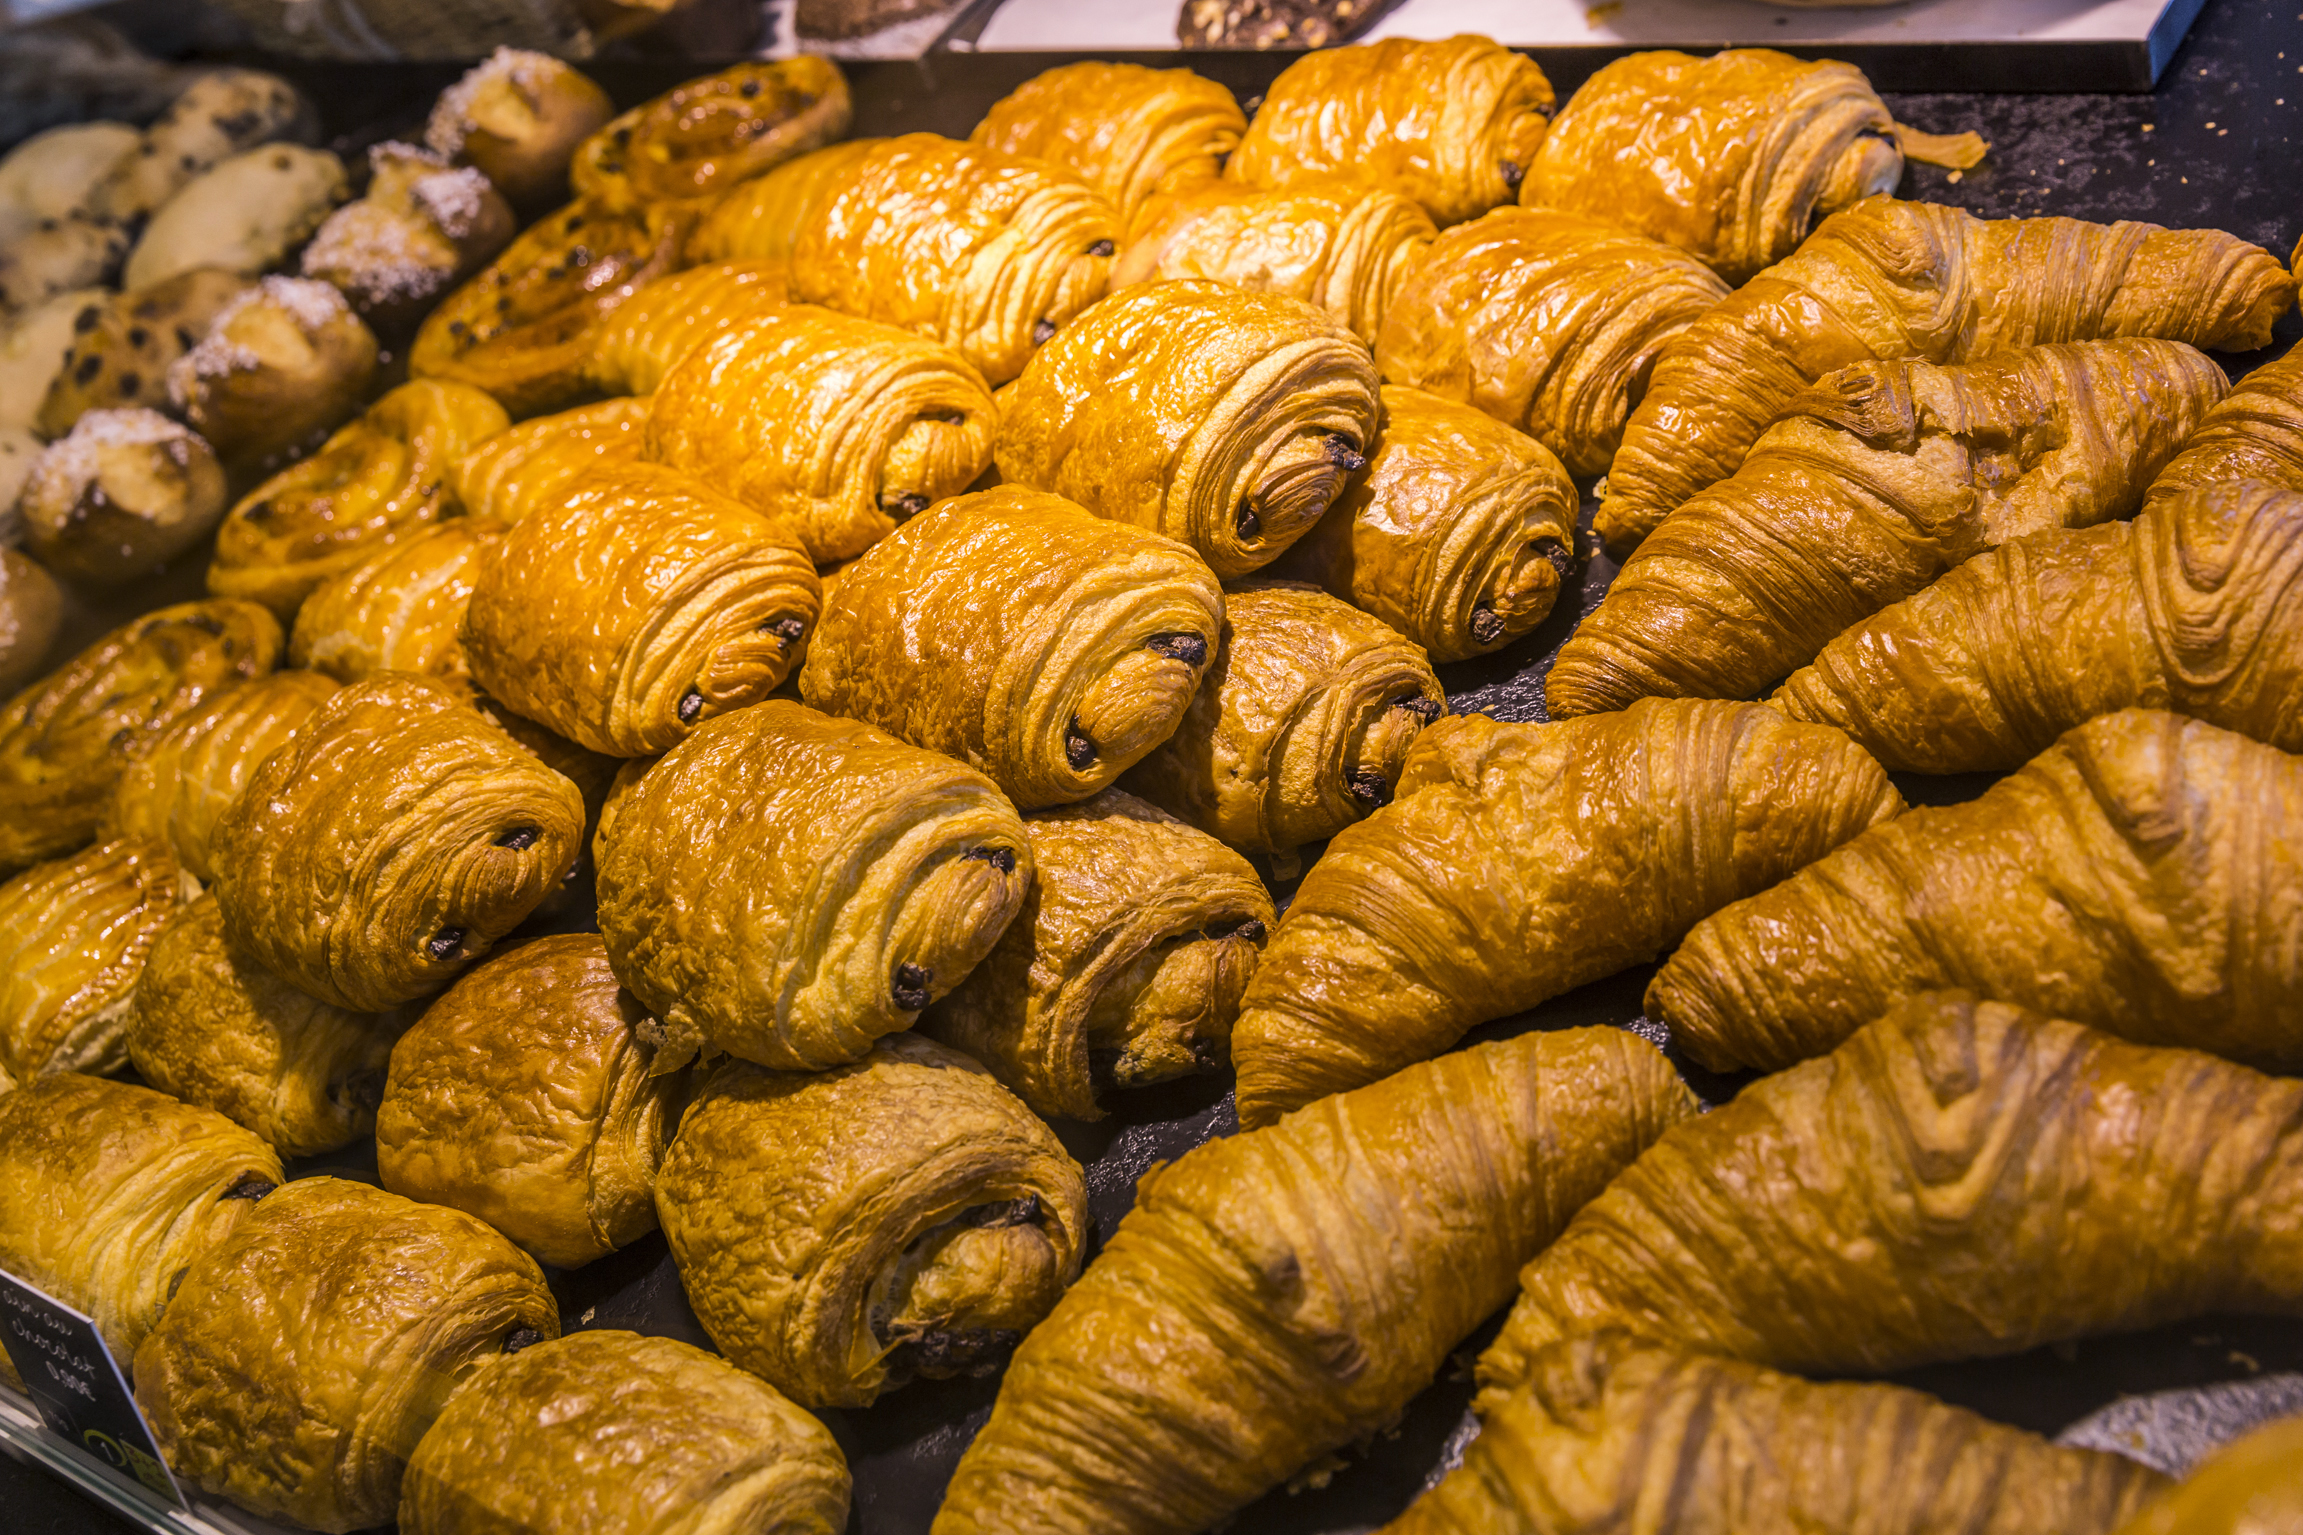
[699,140]
[401,609]
[2256,433]
[1127,131]
[76,932]
[525,468]
[668,319]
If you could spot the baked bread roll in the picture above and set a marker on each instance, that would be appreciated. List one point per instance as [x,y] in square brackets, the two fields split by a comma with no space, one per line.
[615,1431]
[401,609]
[667,320]
[517,117]
[58,257]
[1127,131]
[788,887]
[31,614]
[2250,1484]
[1452,124]
[523,1096]
[66,739]
[505,477]
[211,1026]
[388,846]
[244,214]
[1550,322]
[2254,433]
[309,1349]
[1460,535]
[642,604]
[707,135]
[379,480]
[1521,861]
[54,173]
[1225,419]
[835,427]
[423,227]
[1044,647]
[284,362]
[1274,1296]
[33,346]
[124,494]
[77,931]
[1124,968]
[121,345]
[841,1233]
[221,113]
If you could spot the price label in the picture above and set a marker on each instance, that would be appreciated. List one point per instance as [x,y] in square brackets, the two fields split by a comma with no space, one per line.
[76,1384]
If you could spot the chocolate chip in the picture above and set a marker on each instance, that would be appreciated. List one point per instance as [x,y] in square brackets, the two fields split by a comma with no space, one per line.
[1000,858]
[185,340]
[1012,1212]
[258,512]
[1252,930]
[1369,789]
[1079,750]
[519,839]
[1209,1054]
[1100,248]
[748,89]
[910,990]
[575,221]
[138,335]
[1425,709]
[1191,649]
[521,1337]
[1248,523]
[89,366]
[903,504]
[691,705]
[85,320]
[1485,626]
[1562,558]
[130,383]
[444,943]
[786,629]
[249,1185]
[206,623]
[1344,454]
[1042,332]
[1512,174]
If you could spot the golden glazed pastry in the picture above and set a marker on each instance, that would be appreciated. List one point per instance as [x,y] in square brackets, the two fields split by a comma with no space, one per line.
[2195,606]
[1452,124]
[401,609]
[66,739]
[1868,487]
[517,117]
[523,1096]
[835,427]
[1521,861]
[1302,725]
[1886,280]
[642,604]
[2256,433]
[2144,875]
[31,614]
[761,220]
[1550,322]
[423,227]
[1226,419]
[1127,131]
[1124,968]
[2249,1487]
[845,1232]
[1010,629]
[125,493]
[509,475]
[615,1431]
[1960,1179]
[389,844]
[381,479]
[283,363]
[307,1352]
[123,344]
[1274,1296]
[75,932]
[787,887]
[213,1027]
[1460,535]
[669,319]
[1607,1433]
[700,139]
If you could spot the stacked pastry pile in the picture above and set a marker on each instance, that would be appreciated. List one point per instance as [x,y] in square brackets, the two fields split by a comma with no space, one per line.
[930,583]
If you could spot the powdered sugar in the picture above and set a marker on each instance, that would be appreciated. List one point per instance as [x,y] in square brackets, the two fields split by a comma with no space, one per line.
[376,255]
[452,199]
[312,305]
[451,117]
[69,464]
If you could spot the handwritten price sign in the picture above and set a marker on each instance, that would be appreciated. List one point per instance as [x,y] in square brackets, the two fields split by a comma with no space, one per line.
[77,1385]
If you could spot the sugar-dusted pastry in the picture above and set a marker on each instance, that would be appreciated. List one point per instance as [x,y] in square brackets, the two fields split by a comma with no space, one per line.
[400,609]
[1226,419]
[606,1430]
[1887,280]
[31,614]
[283,364]
[1128,131]
[2251,1486]
[389,844]
[1452,124]
[1274,1296]
[213,1027]
[33,345]
[844,1232]
[1340,247]
[121,345]
[66,739]
[221,113]
[523,1096]
[505,477]
[787,887]
[122,495]
[1961,1179]
[666,320]
[1550,322]
[1125,967]
[1460,535]
[75,932]
[422,227]
[517,117]
[307,1351]
[705,136]
[1868,487]
[379,480]
[835,427]
[641,604]
[1520,861]
[1045,647]
[244,214]
[2255,433]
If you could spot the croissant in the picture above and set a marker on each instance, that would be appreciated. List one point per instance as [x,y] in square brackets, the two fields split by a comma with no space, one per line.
[523,1097]
[1274,1296]
[1127,131]
[841,1234]
[76,933]
[788,887]
[1226,419]
[307,1352]
[1452,124]
[1124,968]
[389,844]
[213,1027]
[1461,535]
[1886,280]
[515,472]
[836,427]
[1868,487]
[1959,1179]
[31,615]
[1550,322]
[1520,861]
[614,1431]
[643,602]
[1606,1433]
[706,135]
[401,609]
[1342,248]
[989,254]
[2256,433]
[378,480]
[66,739]
[1044,647]
[666,320]
[2138,876]
[2249,1487]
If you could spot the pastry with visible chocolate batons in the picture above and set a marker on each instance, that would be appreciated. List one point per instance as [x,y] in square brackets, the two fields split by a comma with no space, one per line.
[59,256]
[119,497]
[52,175]
[517,117]
[1126,130]
[516,471]
[667,320]
[401,609]
[75,932]
[423,227]
[282,364]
